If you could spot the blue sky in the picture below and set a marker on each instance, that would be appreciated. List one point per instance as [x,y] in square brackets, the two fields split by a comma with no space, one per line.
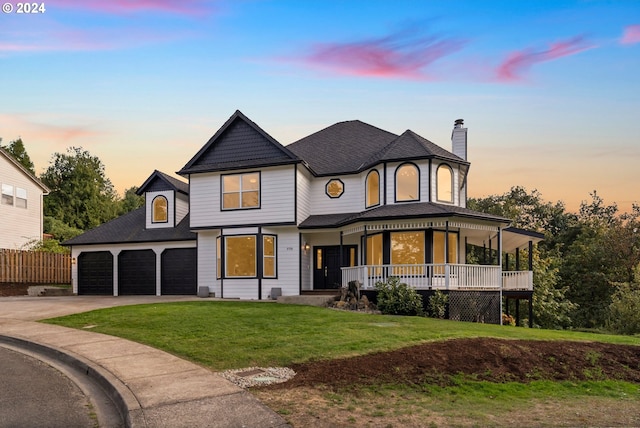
[550,90]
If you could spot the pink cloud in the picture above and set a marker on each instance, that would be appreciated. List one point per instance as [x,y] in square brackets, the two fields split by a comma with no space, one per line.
[394,56]
[518,62]
[183,7]
[631,35]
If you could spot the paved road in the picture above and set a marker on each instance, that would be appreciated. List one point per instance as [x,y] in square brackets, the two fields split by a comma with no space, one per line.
[34,394]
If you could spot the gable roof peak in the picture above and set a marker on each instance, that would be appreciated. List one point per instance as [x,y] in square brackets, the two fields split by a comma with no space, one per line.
[239,143]
[171,183]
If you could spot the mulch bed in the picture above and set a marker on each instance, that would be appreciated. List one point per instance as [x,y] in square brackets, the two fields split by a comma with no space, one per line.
[11,289]
[485,359]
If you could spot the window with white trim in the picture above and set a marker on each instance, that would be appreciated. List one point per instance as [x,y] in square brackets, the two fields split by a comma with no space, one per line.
[7,194]
[21,197]
[444,183]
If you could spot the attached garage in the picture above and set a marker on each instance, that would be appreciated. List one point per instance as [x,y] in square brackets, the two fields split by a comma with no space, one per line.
[179,274]
[137,272]
[95,273]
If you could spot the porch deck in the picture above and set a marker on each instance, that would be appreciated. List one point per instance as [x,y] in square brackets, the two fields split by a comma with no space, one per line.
[441,276]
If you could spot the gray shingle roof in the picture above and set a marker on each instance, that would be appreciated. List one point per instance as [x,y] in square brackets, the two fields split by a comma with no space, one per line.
[239,143]
[412,146]
[345,147]
[397,211]
[160,181]
[130,228]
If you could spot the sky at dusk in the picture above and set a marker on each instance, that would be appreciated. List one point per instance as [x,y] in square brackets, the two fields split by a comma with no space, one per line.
[549,90]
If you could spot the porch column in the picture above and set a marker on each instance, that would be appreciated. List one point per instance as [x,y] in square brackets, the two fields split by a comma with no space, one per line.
[517,259]
[499,237]
[530,255]
[447,270]
[531,299]
[365,274]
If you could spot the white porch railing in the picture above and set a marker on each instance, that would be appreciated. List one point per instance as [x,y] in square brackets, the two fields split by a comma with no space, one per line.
[517,280]
[441,276]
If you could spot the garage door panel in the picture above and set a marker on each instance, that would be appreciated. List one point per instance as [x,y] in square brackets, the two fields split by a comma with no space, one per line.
[179,271]
[95,273]
[137,272]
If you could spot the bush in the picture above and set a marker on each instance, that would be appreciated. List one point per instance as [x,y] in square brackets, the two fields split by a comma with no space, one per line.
[624,310]
[397,298]
[438,304]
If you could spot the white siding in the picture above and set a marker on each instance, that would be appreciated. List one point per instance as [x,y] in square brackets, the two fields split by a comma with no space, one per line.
[288,259]
[182,207]
[157,247]
[277,199]
[352,200]
[246,289]
[304,193]
[149,197]
[207,262]
[19,226]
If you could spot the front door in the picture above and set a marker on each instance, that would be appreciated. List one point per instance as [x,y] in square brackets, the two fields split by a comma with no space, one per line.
[326,266]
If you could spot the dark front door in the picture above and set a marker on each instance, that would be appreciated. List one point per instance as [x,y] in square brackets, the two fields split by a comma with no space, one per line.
[326,265]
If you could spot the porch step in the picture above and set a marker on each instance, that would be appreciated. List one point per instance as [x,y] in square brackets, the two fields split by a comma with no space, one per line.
[321,300]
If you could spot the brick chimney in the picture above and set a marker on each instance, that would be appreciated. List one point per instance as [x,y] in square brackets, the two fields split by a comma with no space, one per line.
[459,139]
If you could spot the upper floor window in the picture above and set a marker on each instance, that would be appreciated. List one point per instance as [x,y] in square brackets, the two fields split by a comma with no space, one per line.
[240,191]
[21,197]
[7,194]
[444,183]
[373,189]
[407,183]
[334,188]
[159,210]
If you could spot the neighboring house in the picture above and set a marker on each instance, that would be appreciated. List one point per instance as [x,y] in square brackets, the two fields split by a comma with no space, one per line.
[349,202]
[21,203]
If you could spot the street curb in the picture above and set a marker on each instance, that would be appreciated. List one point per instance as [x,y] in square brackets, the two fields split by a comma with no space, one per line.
[123,398]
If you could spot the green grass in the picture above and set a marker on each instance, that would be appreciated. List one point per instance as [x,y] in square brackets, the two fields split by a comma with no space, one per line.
[224,335]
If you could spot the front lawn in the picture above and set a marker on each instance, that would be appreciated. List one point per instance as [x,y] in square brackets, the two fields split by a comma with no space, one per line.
[224,335]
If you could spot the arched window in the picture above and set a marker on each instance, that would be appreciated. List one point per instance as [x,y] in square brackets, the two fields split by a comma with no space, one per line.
[373,189]
[159,210]
[407,183]
[444,183]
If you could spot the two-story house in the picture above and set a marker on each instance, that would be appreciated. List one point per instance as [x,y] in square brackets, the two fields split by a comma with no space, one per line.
[21,202]
[349,202]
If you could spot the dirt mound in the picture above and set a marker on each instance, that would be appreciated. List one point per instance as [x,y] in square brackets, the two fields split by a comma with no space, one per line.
[482,358]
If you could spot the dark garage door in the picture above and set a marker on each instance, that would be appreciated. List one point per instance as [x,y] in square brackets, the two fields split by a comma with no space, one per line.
[95,273]
[137,272]
[179,271]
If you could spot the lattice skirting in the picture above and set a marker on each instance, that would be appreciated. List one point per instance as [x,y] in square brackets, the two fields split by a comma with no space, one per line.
[475,306]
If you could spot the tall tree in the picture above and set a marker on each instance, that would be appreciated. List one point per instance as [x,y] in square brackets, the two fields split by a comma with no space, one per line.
[130,201]
[81,195]
[19,153]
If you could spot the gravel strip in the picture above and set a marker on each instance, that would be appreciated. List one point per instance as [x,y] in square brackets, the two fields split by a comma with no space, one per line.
[257,376]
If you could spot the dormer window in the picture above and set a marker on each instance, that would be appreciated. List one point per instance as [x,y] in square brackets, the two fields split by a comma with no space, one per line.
[444,184]
[407,183]
[373,189]
[159,207]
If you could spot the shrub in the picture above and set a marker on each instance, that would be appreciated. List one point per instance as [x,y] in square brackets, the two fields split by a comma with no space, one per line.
[438,304]
[397,298]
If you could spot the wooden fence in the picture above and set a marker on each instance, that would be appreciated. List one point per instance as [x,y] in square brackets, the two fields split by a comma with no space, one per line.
[34,267]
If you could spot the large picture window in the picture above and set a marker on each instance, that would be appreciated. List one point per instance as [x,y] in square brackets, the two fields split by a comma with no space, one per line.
[373,189]
[439,251]
[269,256]
[407,248]
[374,253]
[240,256]
[407,183]
[160,206]
[241,191]
[444,184]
